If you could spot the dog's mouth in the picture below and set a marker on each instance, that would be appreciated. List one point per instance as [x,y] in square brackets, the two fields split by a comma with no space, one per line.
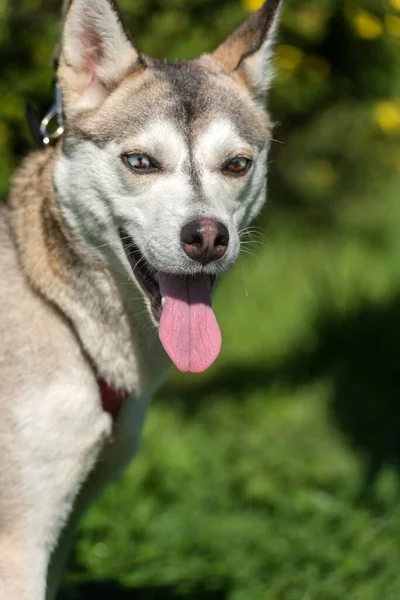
[188,329]
[145,273]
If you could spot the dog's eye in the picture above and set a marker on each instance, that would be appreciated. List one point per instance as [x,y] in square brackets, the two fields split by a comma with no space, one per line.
[139,162]
[238,165]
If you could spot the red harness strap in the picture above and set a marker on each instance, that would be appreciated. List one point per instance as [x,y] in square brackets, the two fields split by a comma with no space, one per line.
[111,399]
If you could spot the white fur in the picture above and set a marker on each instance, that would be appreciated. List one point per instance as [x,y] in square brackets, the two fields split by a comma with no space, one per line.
[96,53]
[59,475]
[259,69]
[114,458]
[233,197]
[153,208]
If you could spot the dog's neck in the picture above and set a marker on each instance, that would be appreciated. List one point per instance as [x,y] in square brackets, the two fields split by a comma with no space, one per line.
[123,351]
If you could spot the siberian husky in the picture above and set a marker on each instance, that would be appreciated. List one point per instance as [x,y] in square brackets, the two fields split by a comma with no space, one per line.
[110,244]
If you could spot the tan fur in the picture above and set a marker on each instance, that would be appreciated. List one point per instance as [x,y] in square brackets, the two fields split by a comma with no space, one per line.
[248,38]
[244,50]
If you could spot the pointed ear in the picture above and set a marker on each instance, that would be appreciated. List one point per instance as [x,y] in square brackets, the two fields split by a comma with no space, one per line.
[248,51]
[96,53]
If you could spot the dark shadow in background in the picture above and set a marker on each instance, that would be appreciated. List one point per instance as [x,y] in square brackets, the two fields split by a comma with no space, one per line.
[107,590]
[360,354]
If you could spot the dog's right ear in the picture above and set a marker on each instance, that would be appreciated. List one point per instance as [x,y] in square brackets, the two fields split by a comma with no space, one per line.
[96,54]
[246,54]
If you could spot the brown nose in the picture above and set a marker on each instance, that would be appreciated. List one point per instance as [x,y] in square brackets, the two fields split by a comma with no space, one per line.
[205,240]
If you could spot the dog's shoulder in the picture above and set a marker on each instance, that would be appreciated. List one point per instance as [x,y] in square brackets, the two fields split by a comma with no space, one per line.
[35,338]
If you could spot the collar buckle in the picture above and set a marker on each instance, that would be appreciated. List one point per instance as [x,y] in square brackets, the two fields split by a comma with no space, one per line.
[55,112]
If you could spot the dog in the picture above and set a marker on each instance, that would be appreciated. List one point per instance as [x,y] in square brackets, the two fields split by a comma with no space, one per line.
[110,244]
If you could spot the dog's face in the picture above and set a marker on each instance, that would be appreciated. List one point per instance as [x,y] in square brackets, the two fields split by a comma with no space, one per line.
[163,164]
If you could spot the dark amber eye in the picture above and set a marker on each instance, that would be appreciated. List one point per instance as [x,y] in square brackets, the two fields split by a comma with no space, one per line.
[139,162]
[238,165]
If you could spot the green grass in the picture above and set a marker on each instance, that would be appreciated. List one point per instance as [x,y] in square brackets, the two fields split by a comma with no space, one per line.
[274,476]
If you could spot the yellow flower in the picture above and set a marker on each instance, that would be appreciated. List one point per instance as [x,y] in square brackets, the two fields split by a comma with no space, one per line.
[395,4]
[288,57]
[321,174]
[367,25]
[311,23]
[252,5]
[393,25]
[387,116]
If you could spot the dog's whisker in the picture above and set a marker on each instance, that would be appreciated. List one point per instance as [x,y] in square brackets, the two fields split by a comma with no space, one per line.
[108,243]
[252,234]
[259,232]
[242,272]
[253,244]
[175,214]
[252,239]
[251,228]
[246,251]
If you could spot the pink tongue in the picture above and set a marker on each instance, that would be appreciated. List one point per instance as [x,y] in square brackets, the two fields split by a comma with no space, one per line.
[189,330]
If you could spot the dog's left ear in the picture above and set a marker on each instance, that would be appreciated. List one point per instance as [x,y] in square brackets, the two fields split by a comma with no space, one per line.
[96,54]
[248,51]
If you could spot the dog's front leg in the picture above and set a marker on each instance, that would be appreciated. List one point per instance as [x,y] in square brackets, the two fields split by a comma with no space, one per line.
[112,461]
[48,447]
[22,569]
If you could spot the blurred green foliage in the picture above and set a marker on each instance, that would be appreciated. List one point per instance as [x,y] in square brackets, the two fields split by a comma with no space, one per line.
[275,475]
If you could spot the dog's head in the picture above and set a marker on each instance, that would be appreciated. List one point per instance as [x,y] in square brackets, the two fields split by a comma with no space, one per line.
[163,164]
